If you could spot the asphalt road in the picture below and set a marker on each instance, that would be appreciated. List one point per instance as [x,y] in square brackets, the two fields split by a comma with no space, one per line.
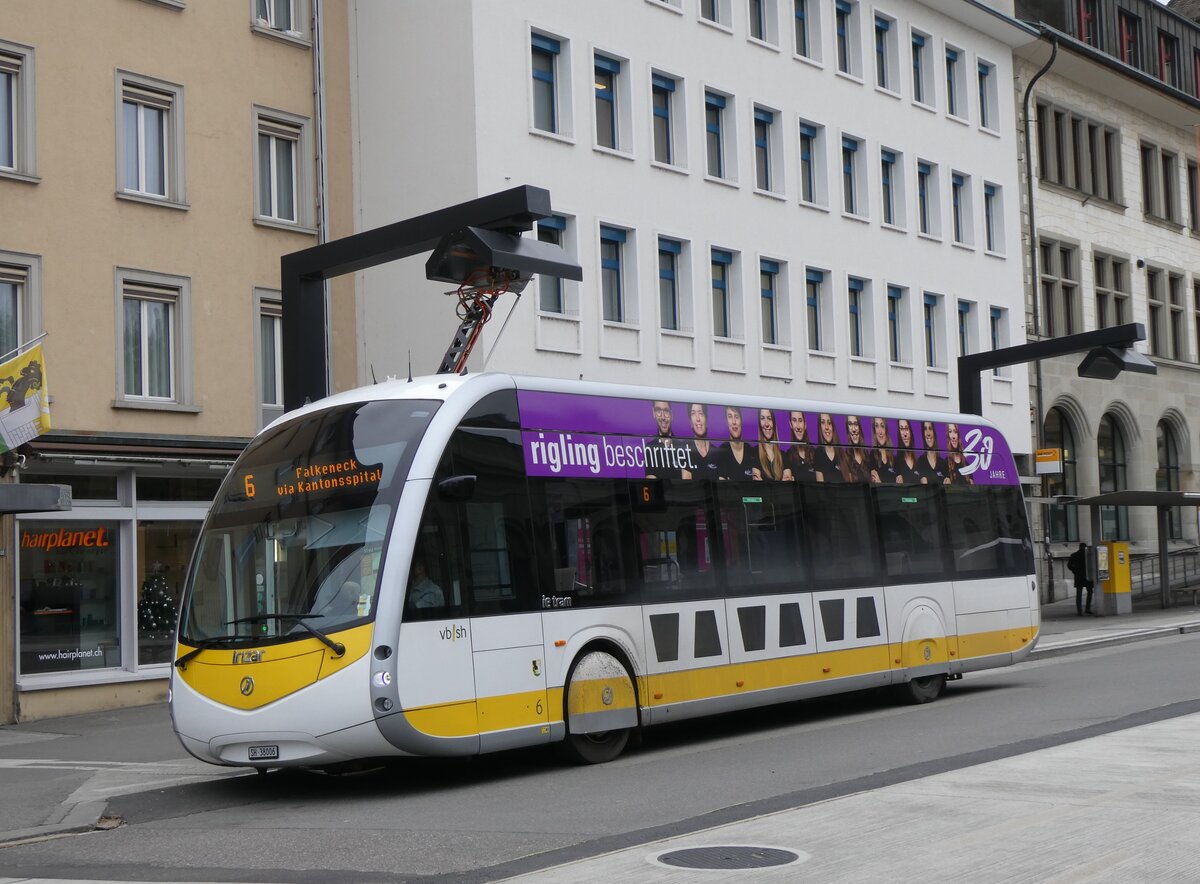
[485,818]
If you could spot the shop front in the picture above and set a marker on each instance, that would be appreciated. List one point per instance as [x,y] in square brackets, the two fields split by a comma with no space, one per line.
[97,588]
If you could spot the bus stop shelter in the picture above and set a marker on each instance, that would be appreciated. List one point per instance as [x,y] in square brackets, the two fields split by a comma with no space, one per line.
[1163,502]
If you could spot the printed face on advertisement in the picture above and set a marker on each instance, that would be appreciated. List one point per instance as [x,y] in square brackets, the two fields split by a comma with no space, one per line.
[905,430]
[662,417]
[930,435]
[952,442]
[826,421]
[796,419]
[854,430]
[699,417]
[766,424]
[880,427]
[733,418]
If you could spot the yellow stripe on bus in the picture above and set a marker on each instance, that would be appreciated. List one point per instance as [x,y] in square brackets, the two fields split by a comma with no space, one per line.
[251,678]
[514,710]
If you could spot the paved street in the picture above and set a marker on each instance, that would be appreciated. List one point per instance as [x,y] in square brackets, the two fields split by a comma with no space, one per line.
[997,818]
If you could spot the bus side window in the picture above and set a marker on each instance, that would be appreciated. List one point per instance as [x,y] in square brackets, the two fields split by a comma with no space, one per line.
[437,559]
[672,540]
[590,545]
[760,524]
[839,532]
[1012,528]
[501,559]
[976,545]
[910,529]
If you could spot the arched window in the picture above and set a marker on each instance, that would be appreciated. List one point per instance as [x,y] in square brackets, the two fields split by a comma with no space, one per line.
[1064,520]
[1166,477]
[1110,452]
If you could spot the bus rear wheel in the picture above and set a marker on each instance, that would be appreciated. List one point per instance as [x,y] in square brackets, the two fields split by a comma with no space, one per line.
[922,690]
[594,748]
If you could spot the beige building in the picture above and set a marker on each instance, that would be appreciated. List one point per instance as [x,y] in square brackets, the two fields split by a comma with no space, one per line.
[157,157]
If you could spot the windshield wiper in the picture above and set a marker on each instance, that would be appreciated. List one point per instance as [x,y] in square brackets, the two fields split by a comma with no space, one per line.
[337,647]
[202,644]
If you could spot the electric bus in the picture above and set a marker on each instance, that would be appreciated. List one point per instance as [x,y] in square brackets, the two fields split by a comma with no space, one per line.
[462,564]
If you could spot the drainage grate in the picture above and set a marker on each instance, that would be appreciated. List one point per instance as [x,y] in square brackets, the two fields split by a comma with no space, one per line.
[727,858]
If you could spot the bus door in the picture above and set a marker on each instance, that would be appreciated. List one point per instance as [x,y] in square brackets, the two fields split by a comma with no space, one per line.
[499,561]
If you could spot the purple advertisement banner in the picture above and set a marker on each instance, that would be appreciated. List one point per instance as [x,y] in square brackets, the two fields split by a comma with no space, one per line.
[579,436]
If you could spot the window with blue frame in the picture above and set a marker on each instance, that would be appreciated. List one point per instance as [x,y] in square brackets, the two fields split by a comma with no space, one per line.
[854,297]
[957,187]
[721,264]
[850,201]
[550,288]
[964,328]
[758,19]
[714,134]
[843,13]
[882,76]
[662,93]
[924,185]
[808,177]
[803,40]
[763,121]
[987,112]
[887,168]
[612,279]
[931,330]
[668,282]
[814,283]
[895,296]
[606,72]
[544,55]
[996,332]
[918,65]
[953,102]
[768,276]
[989,217]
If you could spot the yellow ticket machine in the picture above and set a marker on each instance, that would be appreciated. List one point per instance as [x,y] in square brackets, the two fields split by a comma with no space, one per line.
[1113,578]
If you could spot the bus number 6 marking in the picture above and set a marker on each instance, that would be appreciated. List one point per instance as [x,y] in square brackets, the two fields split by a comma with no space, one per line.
[248,483]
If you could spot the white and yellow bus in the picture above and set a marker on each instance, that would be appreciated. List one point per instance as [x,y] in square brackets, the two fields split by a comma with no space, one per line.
[453,565]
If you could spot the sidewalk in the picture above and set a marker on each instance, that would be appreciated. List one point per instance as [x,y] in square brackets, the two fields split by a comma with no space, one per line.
[57,775]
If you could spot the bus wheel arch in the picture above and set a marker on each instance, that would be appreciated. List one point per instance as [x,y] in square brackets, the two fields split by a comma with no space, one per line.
[925,655]
[600,704]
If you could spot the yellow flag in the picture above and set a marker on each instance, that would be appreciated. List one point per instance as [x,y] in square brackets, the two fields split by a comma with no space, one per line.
[24,399]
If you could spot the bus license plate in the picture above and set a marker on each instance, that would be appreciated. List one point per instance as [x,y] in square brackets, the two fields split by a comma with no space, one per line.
[264,753]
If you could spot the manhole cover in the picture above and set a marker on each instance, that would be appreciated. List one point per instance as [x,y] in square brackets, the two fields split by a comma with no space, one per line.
[727,857]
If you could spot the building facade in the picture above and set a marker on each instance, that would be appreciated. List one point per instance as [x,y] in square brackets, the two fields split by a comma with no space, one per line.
[810,198]
[148,189]
[1114,175]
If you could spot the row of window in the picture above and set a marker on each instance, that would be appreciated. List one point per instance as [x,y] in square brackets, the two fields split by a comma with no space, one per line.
[1153,48]
[1112,456]
[895,59]
[151,135]
[864,304]
[521,544]
[1169,312]
[154,334]
[552,110]
[1084,154]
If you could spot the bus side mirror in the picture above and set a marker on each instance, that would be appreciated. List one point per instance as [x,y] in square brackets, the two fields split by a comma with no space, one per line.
[457,488]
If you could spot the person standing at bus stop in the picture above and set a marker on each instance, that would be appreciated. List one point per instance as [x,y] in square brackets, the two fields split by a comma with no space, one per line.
[1077,565]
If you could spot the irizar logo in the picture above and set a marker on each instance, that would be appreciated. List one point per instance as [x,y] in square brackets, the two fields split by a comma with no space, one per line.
[247,657]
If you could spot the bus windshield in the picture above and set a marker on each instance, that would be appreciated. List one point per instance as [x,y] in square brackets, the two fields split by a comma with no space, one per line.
[295,537]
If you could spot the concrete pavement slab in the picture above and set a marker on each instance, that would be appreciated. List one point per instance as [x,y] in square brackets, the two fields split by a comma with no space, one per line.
[1120,807]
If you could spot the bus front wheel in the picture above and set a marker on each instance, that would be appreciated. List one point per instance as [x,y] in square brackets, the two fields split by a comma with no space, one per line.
[600,709]
[922,690]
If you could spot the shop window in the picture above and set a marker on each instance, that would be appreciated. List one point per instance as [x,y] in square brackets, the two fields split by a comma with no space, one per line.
[193,488]
[68,596]
[83,487]
[163,550]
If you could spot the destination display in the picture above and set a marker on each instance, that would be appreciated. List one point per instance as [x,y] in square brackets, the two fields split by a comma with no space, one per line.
[594,436]
[270,483]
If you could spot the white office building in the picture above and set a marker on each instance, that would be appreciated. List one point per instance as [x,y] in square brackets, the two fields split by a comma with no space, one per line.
[810,198]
